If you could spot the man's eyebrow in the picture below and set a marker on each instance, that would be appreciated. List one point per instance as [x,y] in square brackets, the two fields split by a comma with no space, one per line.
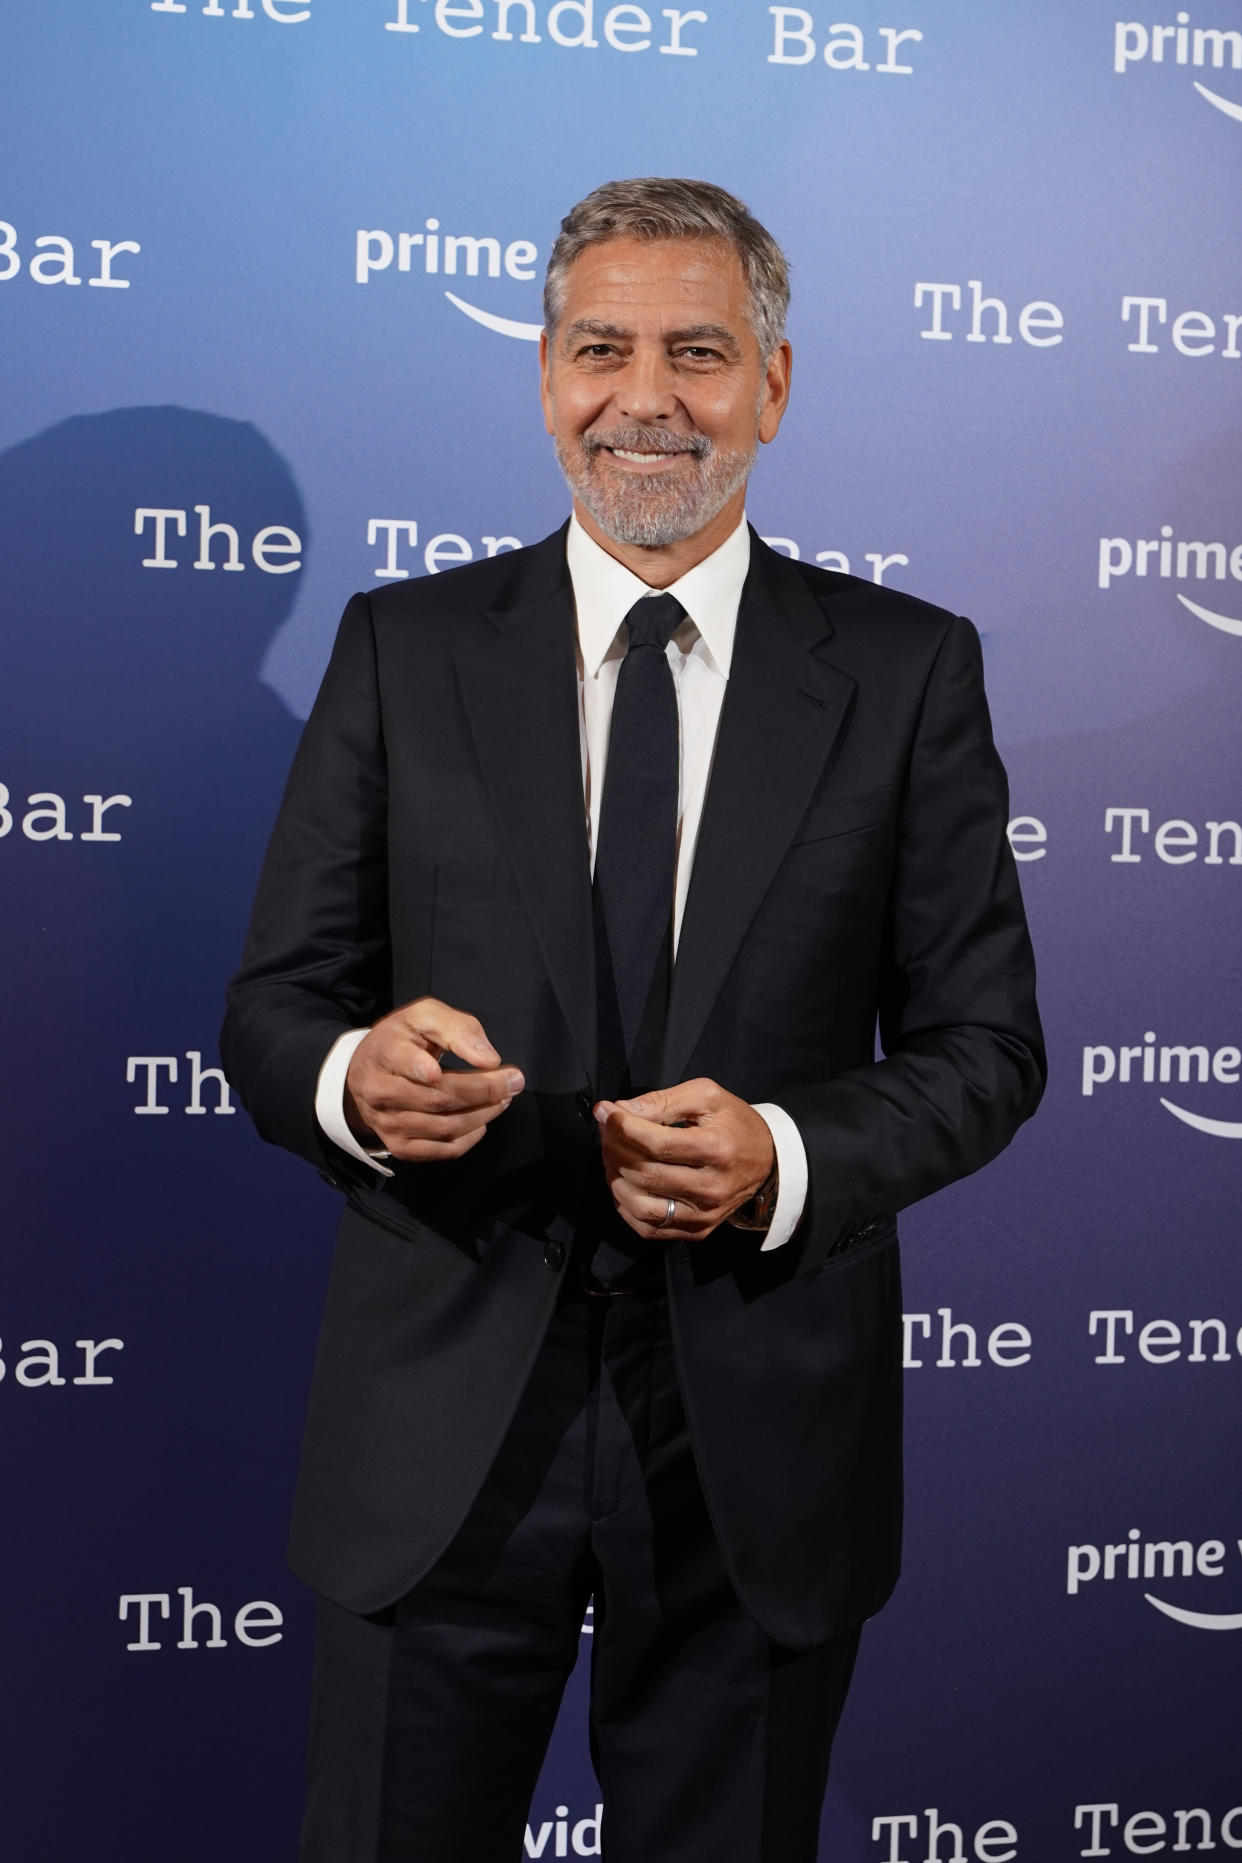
[590,326]
[705,332]
[691,333]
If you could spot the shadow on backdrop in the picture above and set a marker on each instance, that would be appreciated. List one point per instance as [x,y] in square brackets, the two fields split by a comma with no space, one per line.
[178,1235]
[117,679]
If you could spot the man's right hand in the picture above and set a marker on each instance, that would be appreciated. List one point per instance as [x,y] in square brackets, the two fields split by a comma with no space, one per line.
[398,1095]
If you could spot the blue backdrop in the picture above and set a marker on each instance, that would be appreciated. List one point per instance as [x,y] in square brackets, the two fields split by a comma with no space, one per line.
[269,274]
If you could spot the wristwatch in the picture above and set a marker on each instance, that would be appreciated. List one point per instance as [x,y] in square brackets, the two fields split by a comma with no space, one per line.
[756,1212]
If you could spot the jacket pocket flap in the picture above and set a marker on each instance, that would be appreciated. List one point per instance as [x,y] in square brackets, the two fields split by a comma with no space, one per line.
[834,815]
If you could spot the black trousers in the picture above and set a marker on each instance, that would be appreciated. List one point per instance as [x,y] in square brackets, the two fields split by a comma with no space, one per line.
[430,1722]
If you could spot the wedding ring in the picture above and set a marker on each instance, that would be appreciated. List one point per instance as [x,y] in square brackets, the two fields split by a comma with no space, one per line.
[669,1213]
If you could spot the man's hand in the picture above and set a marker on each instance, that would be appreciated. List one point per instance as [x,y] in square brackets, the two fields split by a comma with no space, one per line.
[695,1143]
[396,1092]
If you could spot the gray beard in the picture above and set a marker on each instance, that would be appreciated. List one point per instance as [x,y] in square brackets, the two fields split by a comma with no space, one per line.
[654,510]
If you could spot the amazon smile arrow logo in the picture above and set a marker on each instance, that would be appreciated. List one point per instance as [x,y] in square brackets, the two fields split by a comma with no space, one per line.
[1215,1128]
[1222,103]
[526,332]
[1198,1620]
[1228,624]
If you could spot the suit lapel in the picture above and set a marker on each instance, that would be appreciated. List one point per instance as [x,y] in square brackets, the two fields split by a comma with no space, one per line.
[519,690]
[784,708]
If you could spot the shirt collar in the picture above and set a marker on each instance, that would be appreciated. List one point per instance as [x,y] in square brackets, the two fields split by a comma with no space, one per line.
[605,591]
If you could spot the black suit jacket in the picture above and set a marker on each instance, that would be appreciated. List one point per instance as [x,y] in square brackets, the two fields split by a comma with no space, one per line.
[852,865]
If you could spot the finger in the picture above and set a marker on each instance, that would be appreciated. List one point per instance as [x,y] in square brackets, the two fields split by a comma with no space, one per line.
[436,1128]
[438,1027]
[700,1188]
[626,1135]
[649,1216]
[404,1058]
[428,1151]
[671,1106]
[453,1092]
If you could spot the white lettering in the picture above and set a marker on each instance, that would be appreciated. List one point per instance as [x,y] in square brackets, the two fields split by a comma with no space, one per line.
[391,572]
[54,268]
[1144,346]
[366,259]
[256,1616]
[896,38]
[675,48]
[1127,818]
[52,812]
[623,20]
[99,805]
[783,34]
[199,1074]
[189,1612]
[937,333]
[206,531]
[108,250]
[1112,1317]
[144,1600]
[160,518]
[262,548]
[153,1063]
[877,1829]
[1027,837]
[90,1350]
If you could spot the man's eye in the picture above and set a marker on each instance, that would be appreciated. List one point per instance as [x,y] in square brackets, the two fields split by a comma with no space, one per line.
[598,349]
[696,352]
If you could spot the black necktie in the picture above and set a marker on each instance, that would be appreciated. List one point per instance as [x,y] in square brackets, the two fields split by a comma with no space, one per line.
[635,868]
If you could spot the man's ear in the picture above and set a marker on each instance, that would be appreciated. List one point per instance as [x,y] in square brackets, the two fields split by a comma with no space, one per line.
[777,377]
[545,381]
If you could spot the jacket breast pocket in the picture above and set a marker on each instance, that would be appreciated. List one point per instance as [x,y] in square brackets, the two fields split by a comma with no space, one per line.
[831,815]
[879,1232]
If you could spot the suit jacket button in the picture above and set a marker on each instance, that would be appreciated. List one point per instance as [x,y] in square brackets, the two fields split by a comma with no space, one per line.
[585,1108]
[554,1256]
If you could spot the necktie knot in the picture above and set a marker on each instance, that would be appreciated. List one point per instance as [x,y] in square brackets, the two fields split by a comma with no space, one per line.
[653,620]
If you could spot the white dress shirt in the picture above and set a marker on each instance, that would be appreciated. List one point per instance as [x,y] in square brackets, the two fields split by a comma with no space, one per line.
[699,654]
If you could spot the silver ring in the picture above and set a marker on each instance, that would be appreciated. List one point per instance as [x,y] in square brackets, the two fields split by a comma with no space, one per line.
[669,1213]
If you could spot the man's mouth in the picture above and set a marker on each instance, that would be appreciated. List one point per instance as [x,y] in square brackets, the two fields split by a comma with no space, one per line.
[642,450]
[644,459]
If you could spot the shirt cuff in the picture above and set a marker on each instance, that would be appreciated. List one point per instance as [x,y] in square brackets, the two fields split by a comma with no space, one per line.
[330,1101]
[792,1175]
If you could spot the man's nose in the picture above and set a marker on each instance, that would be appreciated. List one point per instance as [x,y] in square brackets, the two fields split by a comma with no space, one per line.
[647,391]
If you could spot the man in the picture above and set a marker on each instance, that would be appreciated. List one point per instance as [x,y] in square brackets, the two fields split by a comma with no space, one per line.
[598,864]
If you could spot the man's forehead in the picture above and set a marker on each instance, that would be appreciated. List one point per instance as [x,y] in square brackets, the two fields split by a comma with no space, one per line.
[642,265]
[692,282]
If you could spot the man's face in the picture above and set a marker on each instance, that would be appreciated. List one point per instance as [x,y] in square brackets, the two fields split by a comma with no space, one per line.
[654,389]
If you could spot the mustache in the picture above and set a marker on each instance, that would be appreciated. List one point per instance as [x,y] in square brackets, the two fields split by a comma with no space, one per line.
[638,439]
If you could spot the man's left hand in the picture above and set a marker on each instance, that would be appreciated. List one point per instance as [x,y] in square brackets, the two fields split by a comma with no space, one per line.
[703,1147]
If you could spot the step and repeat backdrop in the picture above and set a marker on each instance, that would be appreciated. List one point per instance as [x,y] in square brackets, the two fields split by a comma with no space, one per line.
[269,290]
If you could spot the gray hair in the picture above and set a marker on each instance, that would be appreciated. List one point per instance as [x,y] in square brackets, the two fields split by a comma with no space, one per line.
[656,207]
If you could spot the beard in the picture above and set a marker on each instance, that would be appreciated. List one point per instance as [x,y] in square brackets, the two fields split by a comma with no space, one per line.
[653,509]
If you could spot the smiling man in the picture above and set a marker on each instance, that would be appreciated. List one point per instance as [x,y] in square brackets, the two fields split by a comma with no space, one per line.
[600,865]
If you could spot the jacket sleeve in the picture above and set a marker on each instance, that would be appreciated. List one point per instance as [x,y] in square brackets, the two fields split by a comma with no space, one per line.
[316,960]
[963,1050]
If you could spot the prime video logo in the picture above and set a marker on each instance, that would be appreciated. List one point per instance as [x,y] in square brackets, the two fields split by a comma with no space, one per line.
[1144,1062]
[1174,559]
[1181,44]
[1136,1558]
[558,1837]
[435,253]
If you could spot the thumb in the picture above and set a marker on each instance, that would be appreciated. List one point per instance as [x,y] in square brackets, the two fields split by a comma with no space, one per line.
[657,1106]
